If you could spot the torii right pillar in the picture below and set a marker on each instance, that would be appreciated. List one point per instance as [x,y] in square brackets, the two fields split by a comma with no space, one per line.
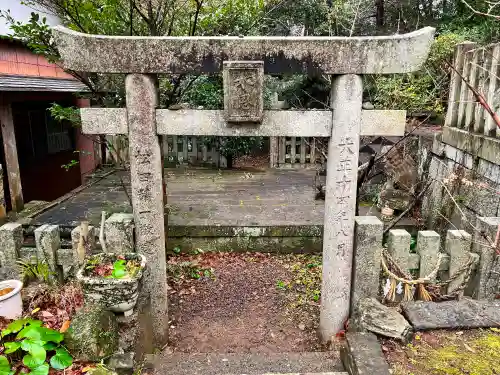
[340,203]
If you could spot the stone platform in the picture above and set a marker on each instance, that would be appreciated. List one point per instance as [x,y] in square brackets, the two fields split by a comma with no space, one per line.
[272,210]
[204,197]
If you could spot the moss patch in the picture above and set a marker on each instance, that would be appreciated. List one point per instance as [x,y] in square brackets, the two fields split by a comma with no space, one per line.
[304,287]
[474,352]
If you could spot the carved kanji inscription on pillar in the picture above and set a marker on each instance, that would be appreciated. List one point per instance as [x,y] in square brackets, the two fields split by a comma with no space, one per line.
[243,83]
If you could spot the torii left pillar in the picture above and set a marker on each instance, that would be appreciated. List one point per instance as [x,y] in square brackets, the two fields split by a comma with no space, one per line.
[146,175]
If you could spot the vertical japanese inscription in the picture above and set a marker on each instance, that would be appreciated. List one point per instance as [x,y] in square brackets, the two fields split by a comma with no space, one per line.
[243,87]
[340,203]
[146,172]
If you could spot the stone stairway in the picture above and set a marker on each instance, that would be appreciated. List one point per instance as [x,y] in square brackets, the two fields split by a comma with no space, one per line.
[327,363]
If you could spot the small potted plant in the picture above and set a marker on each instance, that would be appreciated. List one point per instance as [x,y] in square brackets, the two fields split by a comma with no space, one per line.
[112,280]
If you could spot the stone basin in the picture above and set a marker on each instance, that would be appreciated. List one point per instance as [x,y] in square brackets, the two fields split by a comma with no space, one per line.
[117,295]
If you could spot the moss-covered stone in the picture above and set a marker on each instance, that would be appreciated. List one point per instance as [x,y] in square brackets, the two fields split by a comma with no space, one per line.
[285,245]
[100,370]
[245,231]
[307,245]
[264,244]
[93,334]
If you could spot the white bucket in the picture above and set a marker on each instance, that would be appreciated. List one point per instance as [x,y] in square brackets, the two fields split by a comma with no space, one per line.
[11,304]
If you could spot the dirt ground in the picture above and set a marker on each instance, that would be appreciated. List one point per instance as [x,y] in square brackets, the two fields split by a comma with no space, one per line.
[244,303]
[474,352]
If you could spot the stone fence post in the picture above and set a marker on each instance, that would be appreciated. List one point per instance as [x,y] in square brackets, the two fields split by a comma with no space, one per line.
[458,246]
[11,240]
[428,243]
[119,233]
[89,245]
[48,242]
[487,277]
[368,233]
[398,246]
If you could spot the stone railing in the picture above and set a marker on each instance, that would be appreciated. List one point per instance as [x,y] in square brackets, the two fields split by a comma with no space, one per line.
[469,145]
[468,126]
[294,152]
[479,67]
[451,254]
[48,246]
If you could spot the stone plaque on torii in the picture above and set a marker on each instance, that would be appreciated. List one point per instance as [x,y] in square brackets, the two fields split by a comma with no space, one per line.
[244,61]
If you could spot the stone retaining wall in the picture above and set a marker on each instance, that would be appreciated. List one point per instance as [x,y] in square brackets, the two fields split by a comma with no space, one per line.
[473,181]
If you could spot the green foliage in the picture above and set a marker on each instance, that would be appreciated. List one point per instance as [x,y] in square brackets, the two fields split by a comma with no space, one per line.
[68,166]
[231,17]
[206,91]
[280,16]
[306,92]
[60,113]
[28,340]
[424,91]
[280,284]
[36,34]
[236,146]
[39,271]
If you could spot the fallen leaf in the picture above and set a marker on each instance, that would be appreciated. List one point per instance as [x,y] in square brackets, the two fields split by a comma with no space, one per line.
[469,348]
[65,326]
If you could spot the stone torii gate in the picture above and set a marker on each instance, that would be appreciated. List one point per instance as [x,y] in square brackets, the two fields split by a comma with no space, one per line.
[243,61]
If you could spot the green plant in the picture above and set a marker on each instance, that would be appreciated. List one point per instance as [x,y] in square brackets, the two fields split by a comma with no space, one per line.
[123,268]
[27,339]
[280,284]
[39,271]
[113,267]
[72,163]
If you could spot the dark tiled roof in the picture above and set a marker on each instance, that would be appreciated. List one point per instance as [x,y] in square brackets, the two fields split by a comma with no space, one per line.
[22,83]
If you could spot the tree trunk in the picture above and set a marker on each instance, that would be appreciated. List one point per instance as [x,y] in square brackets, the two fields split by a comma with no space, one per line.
[380,13]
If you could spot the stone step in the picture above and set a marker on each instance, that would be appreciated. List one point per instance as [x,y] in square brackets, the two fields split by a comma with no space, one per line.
[327,363]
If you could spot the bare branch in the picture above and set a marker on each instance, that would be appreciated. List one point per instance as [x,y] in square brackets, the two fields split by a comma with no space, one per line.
[497,17]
